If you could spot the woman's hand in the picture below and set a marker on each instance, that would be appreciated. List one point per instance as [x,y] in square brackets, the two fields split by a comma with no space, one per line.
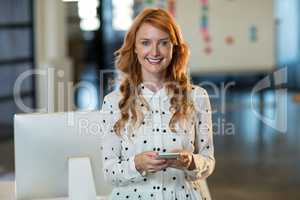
[146,161]
[185,160]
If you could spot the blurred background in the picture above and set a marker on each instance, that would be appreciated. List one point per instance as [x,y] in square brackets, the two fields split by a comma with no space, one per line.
[58,55]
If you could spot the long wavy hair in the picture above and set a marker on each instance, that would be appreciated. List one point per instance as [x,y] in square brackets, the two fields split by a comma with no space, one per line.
[177,81]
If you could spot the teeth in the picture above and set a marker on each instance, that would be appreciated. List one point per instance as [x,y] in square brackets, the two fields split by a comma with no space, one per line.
[154,60]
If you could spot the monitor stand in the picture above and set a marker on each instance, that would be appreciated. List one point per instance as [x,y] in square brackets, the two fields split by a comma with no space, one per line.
[81,180]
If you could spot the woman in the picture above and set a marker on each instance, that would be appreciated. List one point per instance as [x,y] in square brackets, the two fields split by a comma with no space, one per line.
[155,110]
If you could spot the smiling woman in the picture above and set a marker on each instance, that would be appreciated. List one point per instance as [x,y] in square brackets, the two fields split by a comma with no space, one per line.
[156,111]
[154,51]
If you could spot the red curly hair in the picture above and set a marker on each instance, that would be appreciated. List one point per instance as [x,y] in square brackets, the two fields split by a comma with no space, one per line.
[177,81]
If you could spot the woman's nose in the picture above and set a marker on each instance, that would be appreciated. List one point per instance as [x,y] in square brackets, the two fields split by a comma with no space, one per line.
[155,50]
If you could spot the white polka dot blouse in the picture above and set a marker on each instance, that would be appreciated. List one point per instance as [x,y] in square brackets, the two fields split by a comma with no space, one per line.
[154,134]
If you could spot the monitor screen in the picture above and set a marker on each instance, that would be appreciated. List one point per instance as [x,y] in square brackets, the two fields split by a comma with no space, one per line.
[44,143]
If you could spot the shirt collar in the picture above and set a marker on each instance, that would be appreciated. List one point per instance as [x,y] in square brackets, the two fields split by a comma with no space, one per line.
[149,94]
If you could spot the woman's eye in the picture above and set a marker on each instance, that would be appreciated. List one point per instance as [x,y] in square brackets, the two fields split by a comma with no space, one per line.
[165,43]
[145,43]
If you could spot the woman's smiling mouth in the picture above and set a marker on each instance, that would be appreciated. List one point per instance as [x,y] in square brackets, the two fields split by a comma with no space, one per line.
[154,61]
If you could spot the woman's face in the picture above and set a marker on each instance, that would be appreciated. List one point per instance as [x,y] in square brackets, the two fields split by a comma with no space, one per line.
[154,50]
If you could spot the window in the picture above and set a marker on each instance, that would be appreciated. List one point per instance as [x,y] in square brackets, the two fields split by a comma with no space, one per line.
[16,57]
[122,14]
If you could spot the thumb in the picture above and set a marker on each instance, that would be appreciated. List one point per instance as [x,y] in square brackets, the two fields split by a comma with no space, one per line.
[175,150]
[151,154]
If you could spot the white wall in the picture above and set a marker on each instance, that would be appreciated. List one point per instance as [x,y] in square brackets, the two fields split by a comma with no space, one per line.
[233,19]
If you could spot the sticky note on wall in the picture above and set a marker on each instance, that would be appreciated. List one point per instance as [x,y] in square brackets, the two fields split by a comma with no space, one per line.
[253,36]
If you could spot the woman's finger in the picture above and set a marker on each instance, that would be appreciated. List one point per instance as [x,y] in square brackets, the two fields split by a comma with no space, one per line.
[159,167]
[150,154]
[175,151]
[156,162]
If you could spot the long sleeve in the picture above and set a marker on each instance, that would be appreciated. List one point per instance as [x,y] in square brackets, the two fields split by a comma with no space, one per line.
[117,169]
[203,154]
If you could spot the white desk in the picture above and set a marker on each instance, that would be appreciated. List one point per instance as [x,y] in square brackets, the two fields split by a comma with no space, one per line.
[7,192]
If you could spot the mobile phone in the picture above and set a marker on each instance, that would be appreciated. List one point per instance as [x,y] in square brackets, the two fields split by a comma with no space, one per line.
[168,156]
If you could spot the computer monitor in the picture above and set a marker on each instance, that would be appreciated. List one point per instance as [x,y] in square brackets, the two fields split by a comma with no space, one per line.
[43,145]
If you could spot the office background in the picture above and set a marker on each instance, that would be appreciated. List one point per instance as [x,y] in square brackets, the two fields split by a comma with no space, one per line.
[77,39]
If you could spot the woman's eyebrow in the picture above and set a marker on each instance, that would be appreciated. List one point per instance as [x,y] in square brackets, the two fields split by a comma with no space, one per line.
[166,38]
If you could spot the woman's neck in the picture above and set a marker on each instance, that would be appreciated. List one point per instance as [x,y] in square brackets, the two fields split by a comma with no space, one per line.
[153,84]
